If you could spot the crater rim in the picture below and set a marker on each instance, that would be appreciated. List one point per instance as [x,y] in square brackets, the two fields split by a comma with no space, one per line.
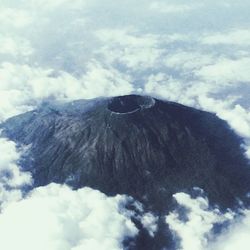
[129,104]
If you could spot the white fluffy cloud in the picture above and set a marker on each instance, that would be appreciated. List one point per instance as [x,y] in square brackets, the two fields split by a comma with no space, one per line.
[226,71]
[15,47]
[196,231]
[23,87]
[237,237]
[134,51]
[233,37]
[57,218]
[9,165]
[12,179]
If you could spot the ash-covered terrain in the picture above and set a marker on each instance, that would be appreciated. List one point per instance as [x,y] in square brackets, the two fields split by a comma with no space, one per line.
[135,145]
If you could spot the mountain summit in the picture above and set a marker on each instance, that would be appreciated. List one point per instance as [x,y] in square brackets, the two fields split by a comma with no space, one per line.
[135,145]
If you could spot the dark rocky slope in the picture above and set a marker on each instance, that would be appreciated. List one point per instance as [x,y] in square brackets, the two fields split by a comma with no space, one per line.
[140,146]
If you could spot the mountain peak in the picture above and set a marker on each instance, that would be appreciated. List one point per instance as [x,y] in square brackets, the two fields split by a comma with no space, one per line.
[130,103]
[135,145]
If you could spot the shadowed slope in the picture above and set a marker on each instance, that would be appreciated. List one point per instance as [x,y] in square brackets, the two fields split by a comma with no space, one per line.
[140,146]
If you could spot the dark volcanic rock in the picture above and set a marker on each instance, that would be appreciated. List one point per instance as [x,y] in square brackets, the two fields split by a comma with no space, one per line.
[140,146]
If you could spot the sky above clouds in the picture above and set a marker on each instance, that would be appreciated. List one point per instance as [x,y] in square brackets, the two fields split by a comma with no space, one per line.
[193,52]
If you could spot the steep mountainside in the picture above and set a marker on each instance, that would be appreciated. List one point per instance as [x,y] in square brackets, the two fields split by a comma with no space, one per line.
[135,145]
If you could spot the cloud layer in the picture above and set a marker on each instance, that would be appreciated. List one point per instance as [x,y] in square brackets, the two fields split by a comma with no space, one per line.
[194,224]
[190,52]
[12,178]
[56,218]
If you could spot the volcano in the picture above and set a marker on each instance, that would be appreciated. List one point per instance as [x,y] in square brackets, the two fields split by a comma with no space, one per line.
[136,145]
